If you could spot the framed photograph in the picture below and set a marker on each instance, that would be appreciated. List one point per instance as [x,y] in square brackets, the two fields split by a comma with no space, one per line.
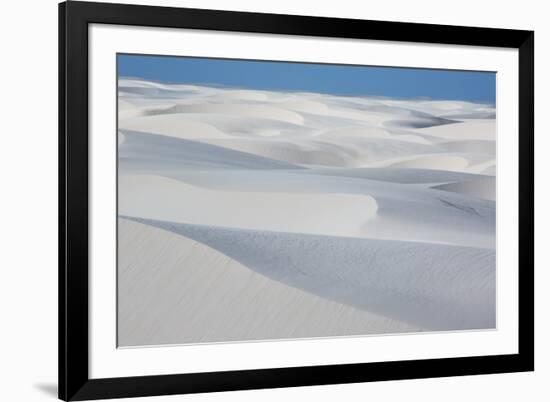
[257,200]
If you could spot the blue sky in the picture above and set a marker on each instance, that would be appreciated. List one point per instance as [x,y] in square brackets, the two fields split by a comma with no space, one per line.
[323,78]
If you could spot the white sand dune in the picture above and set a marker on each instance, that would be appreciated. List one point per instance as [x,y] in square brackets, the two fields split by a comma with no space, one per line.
[305,152]
[366,274]
[396,175]
[471,146]
[162,198]
[164,277]
[483,187]
[360,133]
[480,129]
[310,204]
[445,162]
[252,110]
[262,214]
[450,109]
[155,151]
[174,125]
[338,151]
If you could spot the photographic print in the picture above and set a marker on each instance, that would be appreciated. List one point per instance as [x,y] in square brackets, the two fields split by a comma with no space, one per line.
[267,200]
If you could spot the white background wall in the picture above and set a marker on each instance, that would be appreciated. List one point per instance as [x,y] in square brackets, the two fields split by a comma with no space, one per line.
[28,199]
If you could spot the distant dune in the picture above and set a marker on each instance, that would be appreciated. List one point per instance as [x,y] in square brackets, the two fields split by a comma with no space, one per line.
[253,215]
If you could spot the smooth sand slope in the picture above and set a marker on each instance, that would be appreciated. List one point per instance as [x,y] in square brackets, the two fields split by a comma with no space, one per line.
[265,215]
[199,294]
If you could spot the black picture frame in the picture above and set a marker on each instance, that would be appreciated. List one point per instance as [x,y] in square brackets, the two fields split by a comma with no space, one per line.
[74,381]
